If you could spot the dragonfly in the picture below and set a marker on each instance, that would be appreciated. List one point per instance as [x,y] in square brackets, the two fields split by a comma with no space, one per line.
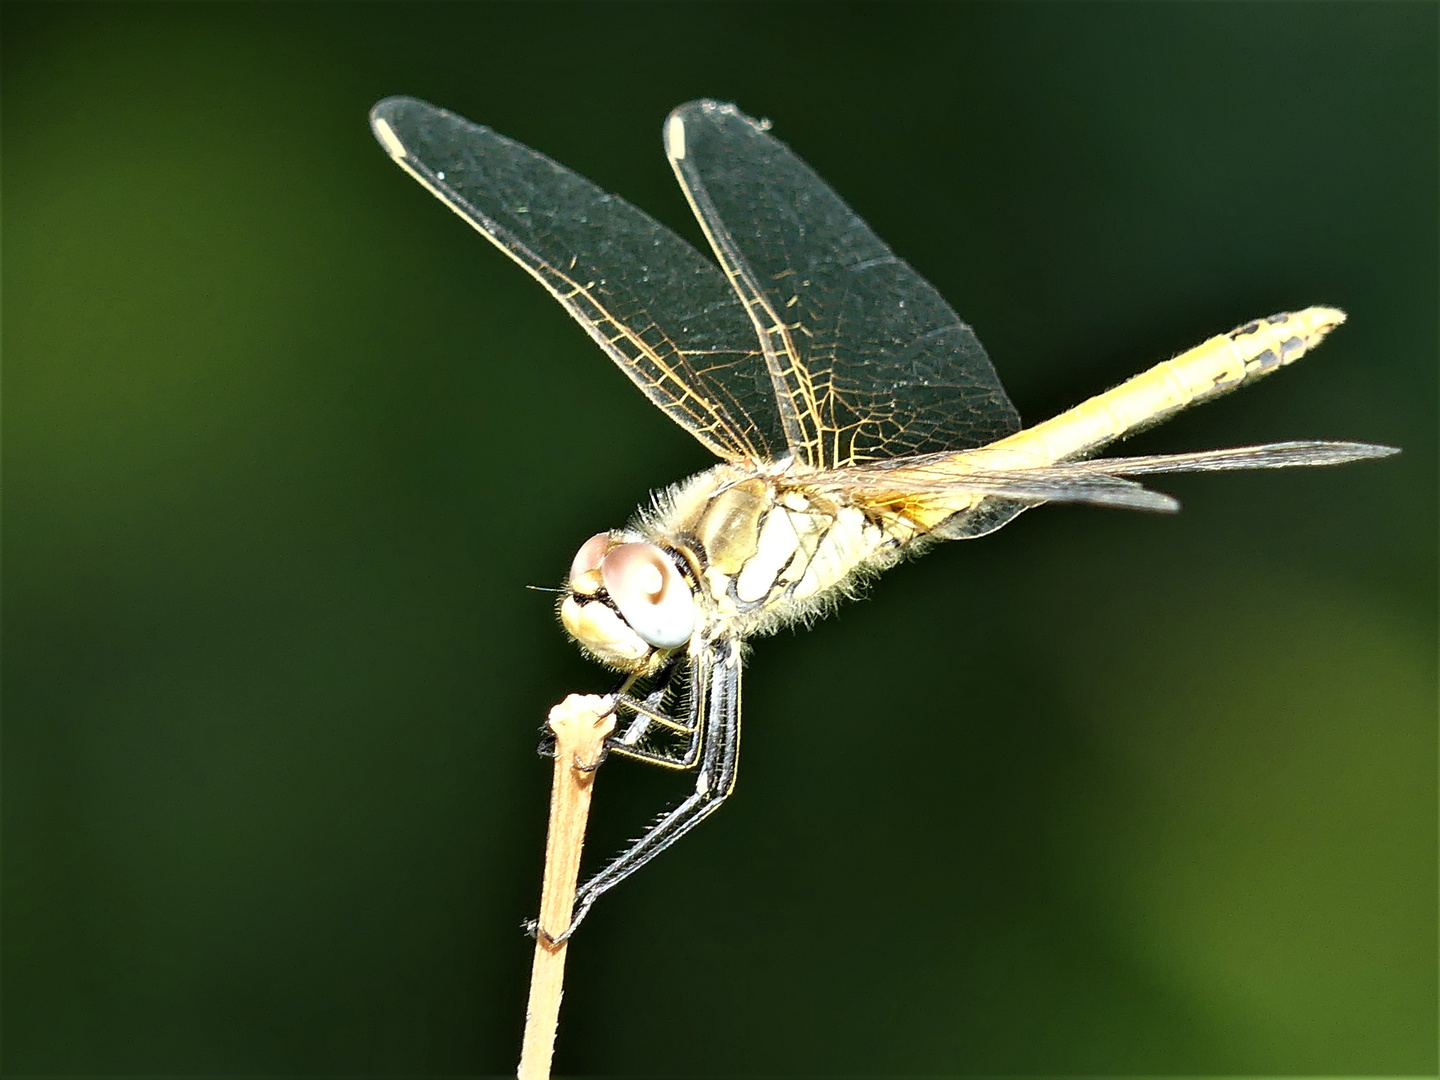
[856,418]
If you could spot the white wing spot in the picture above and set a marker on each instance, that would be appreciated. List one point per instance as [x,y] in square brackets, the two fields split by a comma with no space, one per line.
[393,146]
[675,138]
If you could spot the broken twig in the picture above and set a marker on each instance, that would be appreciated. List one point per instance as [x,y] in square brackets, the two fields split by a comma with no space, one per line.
[580,724]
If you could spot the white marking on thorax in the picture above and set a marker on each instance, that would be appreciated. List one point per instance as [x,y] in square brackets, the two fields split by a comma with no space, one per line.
[849,541]
[779,539]
[769,556]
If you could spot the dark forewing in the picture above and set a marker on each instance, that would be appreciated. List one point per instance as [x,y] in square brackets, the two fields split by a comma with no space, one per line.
[659,308]
[868,360]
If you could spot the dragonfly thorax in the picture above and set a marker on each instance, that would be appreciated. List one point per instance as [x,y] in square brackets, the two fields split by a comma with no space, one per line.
[767,550]
[626,601]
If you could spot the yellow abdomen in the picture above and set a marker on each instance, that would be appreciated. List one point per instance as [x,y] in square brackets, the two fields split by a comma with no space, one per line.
[1215,367]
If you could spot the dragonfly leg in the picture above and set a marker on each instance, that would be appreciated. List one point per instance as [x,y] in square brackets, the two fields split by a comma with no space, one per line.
[649,710]
[716,697]
[646,710]
[685,759]
[629,742]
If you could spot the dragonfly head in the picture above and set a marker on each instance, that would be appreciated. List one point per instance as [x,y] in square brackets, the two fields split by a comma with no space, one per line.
[626,602]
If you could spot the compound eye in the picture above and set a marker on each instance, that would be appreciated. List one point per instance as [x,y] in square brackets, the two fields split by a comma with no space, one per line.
[650,593]
[584,576]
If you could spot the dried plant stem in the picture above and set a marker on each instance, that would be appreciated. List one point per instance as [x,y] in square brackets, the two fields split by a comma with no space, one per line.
[580,724]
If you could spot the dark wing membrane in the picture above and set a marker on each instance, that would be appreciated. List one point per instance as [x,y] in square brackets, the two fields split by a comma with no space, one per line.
[659,308]
[868,360]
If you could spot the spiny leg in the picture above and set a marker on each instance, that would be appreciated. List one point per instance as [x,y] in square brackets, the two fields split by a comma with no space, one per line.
[684,760]
[646,710]
[716,694]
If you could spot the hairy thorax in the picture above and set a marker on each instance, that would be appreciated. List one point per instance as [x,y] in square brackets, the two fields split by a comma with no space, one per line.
[766,550]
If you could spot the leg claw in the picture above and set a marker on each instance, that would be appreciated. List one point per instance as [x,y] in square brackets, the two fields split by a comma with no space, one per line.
[533,929]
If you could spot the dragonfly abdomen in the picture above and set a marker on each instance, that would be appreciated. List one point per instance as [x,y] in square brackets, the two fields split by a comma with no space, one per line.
[1214,367]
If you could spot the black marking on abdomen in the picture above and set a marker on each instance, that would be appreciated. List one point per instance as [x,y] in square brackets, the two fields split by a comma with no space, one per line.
[1265,361]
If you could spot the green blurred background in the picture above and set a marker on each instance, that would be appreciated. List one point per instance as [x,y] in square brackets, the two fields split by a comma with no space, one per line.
[284,442]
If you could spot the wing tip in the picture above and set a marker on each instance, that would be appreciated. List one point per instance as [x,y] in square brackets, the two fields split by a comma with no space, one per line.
[1145,500]
[1338,452]
[389,106]
[383,117]
[1363,451]
[387,138]
[707,107]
